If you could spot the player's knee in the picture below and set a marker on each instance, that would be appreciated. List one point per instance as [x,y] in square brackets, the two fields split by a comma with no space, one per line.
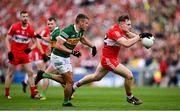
[97,78]
[69,82]
[10,74]
[30,74]
[69,85]
[129,75]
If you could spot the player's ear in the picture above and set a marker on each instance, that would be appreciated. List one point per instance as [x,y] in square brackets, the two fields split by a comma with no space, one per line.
[121,24]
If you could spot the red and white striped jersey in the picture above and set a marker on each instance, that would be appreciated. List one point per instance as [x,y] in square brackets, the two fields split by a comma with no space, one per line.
[111,48]
[44,33]
[21,37]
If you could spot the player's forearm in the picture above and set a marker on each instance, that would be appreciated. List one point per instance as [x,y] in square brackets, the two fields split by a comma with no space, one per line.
[132,41]
[87,42]
[46,38]
[131,34]
[33,46]
[8,45]
[63,48]
[60,45]
[38,46]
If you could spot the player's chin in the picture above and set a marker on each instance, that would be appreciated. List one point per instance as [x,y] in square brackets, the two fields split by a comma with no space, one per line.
[24,21]
[85,28]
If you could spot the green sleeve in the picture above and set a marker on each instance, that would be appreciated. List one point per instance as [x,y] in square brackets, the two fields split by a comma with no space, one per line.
[65,33]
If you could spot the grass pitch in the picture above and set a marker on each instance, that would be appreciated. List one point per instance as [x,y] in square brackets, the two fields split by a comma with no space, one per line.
[96,99]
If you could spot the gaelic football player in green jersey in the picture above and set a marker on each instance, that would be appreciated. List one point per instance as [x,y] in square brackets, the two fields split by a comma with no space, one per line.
[54,32]
[60,56]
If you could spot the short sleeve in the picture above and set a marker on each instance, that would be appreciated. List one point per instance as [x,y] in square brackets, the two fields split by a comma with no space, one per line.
[42,33]
[11,30]
[65,33]
[33,33]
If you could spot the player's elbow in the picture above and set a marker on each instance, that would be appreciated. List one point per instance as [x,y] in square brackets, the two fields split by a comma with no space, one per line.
[124,42]
[58,47]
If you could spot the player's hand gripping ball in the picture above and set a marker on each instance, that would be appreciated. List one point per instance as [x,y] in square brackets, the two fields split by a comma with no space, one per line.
[148,41]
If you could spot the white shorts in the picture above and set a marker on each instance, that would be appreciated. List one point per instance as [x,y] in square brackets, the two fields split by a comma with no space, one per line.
[61,64]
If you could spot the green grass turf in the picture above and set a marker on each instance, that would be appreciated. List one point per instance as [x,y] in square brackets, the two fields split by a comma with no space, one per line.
[88,98]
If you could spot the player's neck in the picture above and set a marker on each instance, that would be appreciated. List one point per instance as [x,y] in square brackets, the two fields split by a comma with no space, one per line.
[76,27]
[24,25]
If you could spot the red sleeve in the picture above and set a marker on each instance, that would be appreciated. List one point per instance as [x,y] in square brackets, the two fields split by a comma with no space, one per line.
[43,33]
[33,33]
[11,30]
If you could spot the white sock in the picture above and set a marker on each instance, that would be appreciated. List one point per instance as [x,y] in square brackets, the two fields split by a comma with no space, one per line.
[26,79]
[129,97]
[75,85]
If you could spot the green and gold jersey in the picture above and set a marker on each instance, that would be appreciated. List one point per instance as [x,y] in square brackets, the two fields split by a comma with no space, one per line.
[55,33]
[71,37]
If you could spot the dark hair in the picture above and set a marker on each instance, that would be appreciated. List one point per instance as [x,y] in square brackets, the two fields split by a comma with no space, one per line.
[123,18]
[23,12]
[52,19]
[80,17]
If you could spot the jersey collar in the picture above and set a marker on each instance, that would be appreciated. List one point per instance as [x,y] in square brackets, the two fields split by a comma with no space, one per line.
[75,28]
[24,27]
[54,29]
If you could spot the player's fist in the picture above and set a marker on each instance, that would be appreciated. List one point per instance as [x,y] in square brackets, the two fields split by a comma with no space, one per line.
[94,51]
[27,51]
[38,36]
[10,56]
[145,34]
[45,58]
[76,53]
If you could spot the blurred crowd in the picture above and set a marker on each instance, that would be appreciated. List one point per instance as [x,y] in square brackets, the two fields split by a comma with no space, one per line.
[159,65]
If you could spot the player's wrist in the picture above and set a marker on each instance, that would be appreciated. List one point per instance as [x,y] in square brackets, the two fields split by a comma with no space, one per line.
[93,46]
[9,52]
[94,51]
[38,36]
[45,58]
[76,53]
[10,56]
[72,52]
[28,50]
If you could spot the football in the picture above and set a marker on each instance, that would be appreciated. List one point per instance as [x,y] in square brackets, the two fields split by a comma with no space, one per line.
[148,42]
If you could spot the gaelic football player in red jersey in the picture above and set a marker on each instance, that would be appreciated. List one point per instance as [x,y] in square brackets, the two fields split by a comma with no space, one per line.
[18,45]
[117,36]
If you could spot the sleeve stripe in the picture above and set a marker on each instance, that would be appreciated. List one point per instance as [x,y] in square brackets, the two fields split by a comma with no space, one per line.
[64,34]
[42,33]
[61,38]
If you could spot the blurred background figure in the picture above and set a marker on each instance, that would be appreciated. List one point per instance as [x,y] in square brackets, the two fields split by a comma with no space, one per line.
[158,66]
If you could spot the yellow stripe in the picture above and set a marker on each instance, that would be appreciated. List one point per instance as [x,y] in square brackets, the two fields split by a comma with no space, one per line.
[53,43]
[73,41]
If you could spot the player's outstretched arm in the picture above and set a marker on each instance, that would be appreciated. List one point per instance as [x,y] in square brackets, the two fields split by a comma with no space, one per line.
[42,37]
[128,42]
[37,43]
[86,41]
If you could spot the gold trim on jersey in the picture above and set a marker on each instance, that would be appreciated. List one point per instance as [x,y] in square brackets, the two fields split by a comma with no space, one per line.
[73,41]
[53,43]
